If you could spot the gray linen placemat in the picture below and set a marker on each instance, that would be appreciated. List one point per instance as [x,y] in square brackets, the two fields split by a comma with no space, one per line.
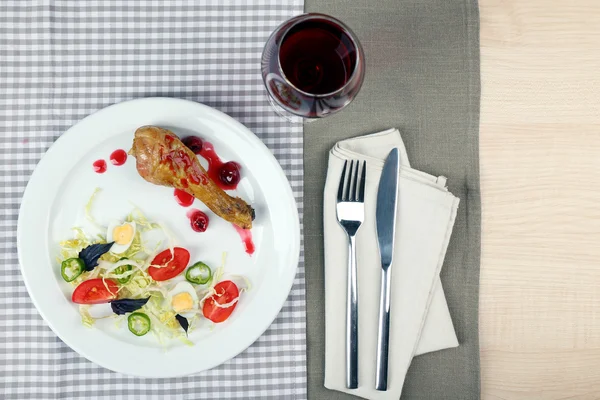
[62,60]
[423,78]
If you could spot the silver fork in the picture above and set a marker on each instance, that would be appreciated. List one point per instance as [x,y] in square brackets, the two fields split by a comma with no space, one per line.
[351,214]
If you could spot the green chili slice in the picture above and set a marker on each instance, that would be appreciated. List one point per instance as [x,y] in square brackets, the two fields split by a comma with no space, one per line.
[138,323]
[198,273]
[71,268]
[123,269]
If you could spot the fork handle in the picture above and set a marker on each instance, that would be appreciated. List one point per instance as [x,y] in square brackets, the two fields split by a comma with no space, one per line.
[352,318]
[383,336]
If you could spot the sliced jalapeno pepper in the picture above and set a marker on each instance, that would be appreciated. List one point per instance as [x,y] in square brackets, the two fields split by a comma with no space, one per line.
[138,323]
[71,268]
[123,269]
[198,273]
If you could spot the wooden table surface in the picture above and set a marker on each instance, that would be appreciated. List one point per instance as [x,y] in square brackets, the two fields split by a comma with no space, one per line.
[540,186]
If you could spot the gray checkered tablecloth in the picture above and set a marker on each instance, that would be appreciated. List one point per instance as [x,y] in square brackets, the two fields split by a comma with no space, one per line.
[62,60]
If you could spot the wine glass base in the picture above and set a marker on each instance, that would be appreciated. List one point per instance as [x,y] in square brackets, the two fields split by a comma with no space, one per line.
[283,113]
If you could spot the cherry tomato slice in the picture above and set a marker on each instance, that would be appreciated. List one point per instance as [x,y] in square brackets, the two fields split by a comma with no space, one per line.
[172,264]
[94,291]
[226,292]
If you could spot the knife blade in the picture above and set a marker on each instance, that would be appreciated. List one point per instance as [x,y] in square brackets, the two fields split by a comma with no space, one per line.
[385,215]
[387,200]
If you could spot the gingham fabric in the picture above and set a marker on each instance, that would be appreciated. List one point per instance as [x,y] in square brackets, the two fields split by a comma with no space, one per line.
[62,60]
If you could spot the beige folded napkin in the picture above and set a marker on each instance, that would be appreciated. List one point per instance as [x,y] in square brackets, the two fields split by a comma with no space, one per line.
[420,320]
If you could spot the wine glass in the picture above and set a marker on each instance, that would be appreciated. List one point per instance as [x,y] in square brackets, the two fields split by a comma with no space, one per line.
[312,66]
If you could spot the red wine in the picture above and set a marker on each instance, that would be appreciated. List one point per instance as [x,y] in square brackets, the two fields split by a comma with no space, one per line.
[312,66]
[317,57]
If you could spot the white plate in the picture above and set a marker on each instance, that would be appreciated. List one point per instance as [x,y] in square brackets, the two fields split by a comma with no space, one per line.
[64,180]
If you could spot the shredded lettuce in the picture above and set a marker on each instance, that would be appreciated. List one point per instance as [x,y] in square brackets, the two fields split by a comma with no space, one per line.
[88,210]
[247,284]
[170,237]
[143,224]
[142,285]
[186,341]
[86,318]
[109,267]
[119,320]
[227,305]
[71,248]
[164,325]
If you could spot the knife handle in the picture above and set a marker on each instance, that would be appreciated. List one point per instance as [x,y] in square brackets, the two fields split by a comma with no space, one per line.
[352,318]
[383,336]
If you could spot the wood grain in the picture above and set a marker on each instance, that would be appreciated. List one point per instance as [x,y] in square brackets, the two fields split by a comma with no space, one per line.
[540,185]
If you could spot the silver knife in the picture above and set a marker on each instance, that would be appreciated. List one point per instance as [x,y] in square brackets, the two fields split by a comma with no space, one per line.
[387,201]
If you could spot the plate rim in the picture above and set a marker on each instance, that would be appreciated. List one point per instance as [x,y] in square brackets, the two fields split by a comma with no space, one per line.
[293,207]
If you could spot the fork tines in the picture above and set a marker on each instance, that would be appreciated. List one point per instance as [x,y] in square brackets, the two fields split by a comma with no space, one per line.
[351,189]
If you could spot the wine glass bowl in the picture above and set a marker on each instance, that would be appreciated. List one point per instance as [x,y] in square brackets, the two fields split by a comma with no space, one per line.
[312,66]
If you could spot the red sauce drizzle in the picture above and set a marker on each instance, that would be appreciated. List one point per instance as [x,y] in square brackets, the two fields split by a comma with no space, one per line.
[214,166]
[246,236]
[99,166]
[118,157]
[198,220]
[179,158]
[184,199]
[194,179]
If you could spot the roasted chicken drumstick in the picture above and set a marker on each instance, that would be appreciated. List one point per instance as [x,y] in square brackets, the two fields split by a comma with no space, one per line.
[162,159]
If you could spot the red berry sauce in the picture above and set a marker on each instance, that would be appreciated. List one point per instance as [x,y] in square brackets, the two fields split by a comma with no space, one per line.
[198,220]
[226,175]
[184,199]
[177,157]
[246,236]
[229,174]
[194,143]
[118,157]
[99,166]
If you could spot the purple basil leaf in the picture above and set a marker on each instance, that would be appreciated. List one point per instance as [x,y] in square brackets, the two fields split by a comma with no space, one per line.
[183,322]
[92,253]
[124,306]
